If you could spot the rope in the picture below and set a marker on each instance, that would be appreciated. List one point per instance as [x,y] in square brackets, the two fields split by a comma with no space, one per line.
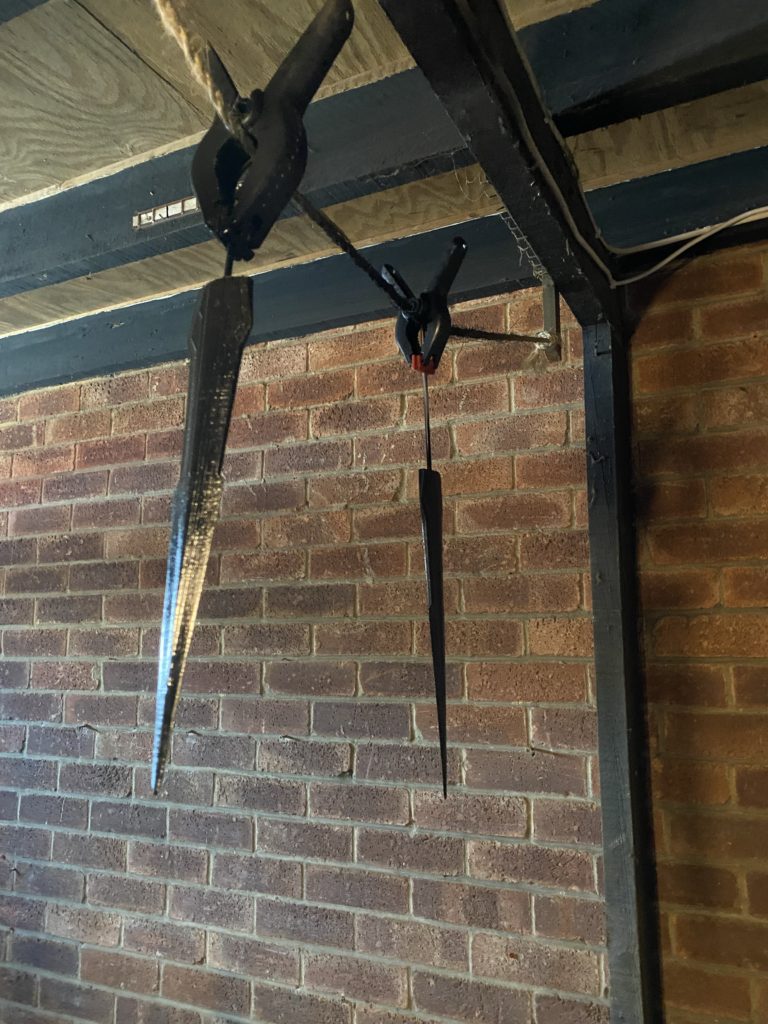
[173,15]
[332,230]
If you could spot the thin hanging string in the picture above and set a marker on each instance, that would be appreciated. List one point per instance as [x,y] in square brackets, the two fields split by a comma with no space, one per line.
[427,429]
[173,15]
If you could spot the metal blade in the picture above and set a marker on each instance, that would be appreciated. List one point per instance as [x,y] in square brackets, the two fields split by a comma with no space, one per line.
[431,501]
[220,329]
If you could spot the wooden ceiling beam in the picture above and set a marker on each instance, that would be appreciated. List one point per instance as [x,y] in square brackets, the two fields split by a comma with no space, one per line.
[379,136]
[328,293]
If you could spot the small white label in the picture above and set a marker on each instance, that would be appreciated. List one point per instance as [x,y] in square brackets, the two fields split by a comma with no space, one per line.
[168,211]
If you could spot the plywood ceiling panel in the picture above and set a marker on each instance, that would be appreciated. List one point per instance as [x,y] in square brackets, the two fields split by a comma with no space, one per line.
[74,98]
[408,209]
[728,122]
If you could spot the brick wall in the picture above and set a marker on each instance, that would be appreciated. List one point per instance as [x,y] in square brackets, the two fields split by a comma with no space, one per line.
[301,864]
[701,402]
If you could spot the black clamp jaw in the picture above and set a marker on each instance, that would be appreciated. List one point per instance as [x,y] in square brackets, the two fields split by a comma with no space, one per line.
[245,171]
[424,327]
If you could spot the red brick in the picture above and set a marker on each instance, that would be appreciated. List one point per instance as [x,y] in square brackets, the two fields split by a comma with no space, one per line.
[159,938]
[736,635]
[477,906]
[354,638]
[400,448]
[459,401]
[109,391]
[305,839]
[53,882]
[267,639]
[77,1000]
[359,488]
[83,924]
[527,771]
[312,457]
[280,1004]
[318,600]
[443,855]
[264,716]
[165,861]
[722,941]
[17,841]
[725,838]
[119,891]
[313,528]
[469,1000]
[538,682]
[466,724]
[360,889]
[739,495]
[406,679]
[353,802]
[263,496]
[553,469]
[316,925]
[54,810]
[47,954]
[412,942]
[358,720]
[475,476]
[698,885]
[131,973]
[313,678]
[257,874]
[19,492]
[357,979]
[36,580]
[20,912]
[253,957]
[50,401]
[276,795]
[514,432]
[529,592]
[202,989]
[75,485]
[43,461]
[469,813]
[512,512]
[208,907]
[213,829]
[527,963]
[362,347]
[556,1010]
[402,763]
[355,417]
[701,991]
[691,782]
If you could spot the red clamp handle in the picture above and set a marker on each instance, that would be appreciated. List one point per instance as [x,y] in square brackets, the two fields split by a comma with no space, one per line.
[417,363]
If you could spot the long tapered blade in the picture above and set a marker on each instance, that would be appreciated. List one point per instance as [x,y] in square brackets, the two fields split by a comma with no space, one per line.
[431,501]
[220,329]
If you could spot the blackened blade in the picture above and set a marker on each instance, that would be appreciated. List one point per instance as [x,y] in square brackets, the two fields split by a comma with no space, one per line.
[431,500]
[219,331]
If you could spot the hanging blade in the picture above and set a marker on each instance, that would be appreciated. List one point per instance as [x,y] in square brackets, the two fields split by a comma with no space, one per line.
[431,501]
[220,329]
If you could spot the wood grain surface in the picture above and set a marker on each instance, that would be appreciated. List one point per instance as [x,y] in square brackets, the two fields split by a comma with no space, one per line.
[445,199]
[728,122]
[75,98]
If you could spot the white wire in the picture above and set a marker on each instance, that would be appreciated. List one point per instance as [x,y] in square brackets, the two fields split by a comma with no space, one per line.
[614,282]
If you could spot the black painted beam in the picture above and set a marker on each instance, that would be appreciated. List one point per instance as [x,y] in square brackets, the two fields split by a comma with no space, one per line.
[684,200]
[472,61]
[13,8]
[378,136]
[609,61]
[618,59]
[291,302]
[633,951]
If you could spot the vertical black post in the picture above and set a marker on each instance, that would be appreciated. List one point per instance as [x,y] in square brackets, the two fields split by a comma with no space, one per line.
[633,949]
